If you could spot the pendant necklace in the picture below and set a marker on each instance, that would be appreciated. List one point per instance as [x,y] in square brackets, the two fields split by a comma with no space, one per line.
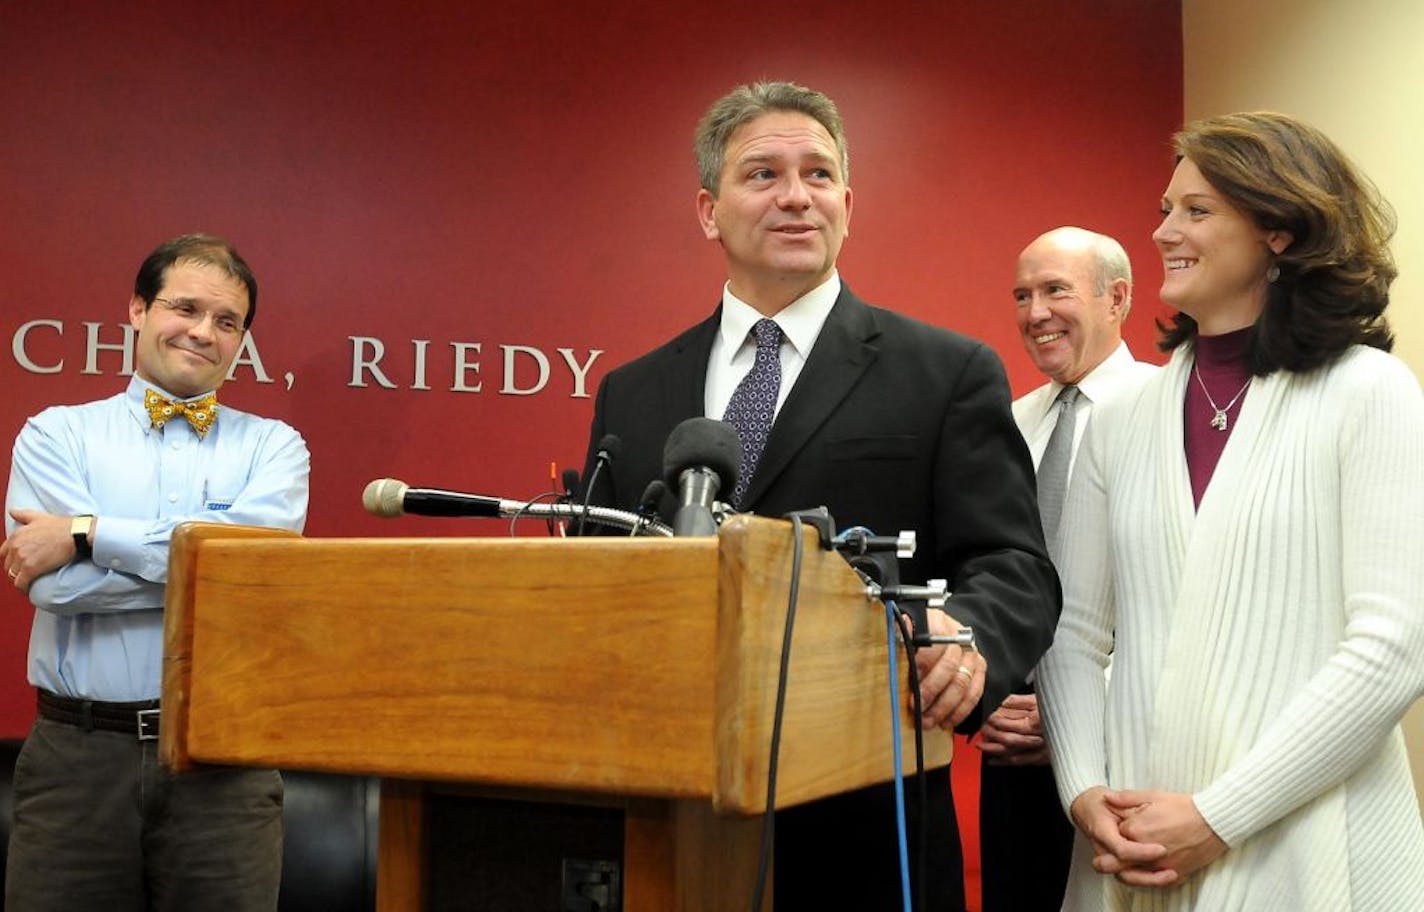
[1218,420]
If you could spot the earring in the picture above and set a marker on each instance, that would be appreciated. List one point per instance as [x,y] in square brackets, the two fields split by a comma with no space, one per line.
[1273,273]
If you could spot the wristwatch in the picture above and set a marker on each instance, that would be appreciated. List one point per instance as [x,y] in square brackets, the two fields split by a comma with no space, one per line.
[80,527]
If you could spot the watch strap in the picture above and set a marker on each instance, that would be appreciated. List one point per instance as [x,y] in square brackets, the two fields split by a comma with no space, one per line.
[79,527]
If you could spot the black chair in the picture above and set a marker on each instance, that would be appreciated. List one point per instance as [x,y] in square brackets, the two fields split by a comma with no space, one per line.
[329,845]
[329,853]
[9,752]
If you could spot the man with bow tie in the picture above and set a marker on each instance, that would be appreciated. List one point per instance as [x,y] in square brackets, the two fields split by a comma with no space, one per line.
[95,492]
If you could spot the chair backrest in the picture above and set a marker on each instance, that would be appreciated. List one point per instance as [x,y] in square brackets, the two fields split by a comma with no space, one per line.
[329,850]
[9,753]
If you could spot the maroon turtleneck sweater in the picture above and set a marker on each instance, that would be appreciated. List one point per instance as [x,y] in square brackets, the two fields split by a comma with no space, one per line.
[1221,362]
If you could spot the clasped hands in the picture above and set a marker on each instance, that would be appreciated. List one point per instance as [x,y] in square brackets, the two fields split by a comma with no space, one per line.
[951,677]
[1013,734]
[1145,838]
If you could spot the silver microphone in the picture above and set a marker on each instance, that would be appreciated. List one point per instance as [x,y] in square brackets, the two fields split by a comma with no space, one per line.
[390,497]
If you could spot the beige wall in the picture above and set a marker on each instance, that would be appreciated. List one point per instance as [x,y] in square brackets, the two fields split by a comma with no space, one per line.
[1356,71]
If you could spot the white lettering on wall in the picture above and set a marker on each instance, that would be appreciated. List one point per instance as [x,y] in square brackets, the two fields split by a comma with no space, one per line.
[419,382]
[525,370]
[93,346]
[541,361]
[580,371]
[247,354]
[464,365]
[360,364]
[22,357]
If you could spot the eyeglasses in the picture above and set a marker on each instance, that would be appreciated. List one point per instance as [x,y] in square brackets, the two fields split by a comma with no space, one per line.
[189,311]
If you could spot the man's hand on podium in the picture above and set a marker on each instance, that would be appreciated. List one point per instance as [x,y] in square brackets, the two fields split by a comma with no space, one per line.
[951,676]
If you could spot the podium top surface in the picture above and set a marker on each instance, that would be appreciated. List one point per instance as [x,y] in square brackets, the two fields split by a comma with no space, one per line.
[641,667]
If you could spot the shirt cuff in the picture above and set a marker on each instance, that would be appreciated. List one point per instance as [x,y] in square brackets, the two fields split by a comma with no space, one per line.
[120,544]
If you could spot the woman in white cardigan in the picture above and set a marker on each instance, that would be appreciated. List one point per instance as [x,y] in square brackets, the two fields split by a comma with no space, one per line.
[1246,546]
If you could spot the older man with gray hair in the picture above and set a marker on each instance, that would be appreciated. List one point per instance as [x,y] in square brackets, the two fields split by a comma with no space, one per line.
[1073,289]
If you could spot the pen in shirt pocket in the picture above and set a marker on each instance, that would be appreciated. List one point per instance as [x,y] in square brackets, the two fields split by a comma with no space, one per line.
[218,501]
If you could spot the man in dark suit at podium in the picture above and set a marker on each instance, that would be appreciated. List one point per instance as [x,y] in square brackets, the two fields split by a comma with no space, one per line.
[890,423]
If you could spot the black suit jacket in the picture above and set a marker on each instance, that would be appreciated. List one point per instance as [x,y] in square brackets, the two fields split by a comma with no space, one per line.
[892,424]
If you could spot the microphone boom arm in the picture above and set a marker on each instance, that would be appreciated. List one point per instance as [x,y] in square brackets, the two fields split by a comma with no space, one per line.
[603,516]
[391,497]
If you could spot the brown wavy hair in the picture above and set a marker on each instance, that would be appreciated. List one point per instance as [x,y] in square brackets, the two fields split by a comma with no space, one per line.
[1335,275]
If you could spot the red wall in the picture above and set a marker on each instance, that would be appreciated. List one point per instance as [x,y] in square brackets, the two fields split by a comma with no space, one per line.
[522,176]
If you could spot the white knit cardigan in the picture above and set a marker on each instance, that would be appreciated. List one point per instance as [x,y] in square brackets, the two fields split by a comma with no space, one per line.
[1264,646]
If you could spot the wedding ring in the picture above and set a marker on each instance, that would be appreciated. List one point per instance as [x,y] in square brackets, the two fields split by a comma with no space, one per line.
[14,575]
[967,673]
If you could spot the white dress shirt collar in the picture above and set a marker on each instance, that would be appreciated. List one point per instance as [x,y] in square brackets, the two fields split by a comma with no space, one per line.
[1099,382]
[733,352]
[800,321]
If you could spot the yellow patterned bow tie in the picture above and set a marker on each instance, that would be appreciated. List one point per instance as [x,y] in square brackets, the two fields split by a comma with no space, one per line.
[201,413]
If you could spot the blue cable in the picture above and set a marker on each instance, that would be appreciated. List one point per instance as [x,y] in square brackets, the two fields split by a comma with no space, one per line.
[846,533]
[893,645]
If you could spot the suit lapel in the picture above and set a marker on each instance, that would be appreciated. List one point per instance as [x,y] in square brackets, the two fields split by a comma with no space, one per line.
[842,353]
[686,376]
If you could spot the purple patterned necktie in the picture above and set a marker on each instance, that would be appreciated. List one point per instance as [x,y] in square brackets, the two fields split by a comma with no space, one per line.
[753,404]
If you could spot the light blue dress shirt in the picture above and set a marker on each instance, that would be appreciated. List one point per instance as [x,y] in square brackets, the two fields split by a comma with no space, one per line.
[98,629]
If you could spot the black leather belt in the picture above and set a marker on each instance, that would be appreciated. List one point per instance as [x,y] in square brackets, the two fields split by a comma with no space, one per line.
[139,719]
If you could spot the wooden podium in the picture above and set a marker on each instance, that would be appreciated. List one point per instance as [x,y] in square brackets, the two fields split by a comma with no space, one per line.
[635,672]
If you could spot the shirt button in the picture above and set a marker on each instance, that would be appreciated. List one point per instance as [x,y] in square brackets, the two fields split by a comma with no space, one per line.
[114,562]
[172,498]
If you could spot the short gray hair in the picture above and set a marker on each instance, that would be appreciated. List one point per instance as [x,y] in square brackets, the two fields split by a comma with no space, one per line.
[1112,264]
[748,102]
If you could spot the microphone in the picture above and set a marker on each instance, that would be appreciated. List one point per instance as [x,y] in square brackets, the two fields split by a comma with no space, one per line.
[700,457]
[389,497]
[652,496]
[609,446]
[570,480]
[648,503]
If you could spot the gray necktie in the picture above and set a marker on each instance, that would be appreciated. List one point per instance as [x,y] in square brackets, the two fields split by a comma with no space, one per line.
[1053,468]
[753,404]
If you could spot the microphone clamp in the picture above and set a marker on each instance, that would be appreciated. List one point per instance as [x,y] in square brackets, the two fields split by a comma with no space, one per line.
[935,594]
[963,639]
[858,542]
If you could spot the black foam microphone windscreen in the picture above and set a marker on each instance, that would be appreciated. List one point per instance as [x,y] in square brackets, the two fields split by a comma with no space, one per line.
[703,443]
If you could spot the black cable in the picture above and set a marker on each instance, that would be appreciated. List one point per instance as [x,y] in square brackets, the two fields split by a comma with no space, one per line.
[519,514]
[588,493]
[920,778]
[768,826]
